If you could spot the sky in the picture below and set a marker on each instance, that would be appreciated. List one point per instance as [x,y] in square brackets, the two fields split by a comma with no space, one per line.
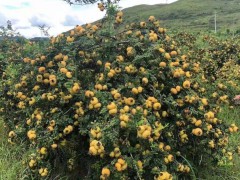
[27,15]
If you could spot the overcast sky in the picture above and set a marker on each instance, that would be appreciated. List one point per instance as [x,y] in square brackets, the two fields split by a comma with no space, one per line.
[27,15]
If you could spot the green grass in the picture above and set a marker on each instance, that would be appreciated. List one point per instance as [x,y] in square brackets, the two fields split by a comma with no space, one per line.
[11,167]
[190,15]
[227,171]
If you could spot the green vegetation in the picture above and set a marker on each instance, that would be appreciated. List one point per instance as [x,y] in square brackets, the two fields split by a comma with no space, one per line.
[190,15]
[11,157]
[225,171]
[101,97]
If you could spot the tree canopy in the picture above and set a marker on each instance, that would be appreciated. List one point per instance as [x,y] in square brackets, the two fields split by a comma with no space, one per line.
[81,2]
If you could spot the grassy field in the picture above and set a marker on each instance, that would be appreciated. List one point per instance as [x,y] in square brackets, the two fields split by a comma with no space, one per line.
[226,171]
[10,157]
[190,15]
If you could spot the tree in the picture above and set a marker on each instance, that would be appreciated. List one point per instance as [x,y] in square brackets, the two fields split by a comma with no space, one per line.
[44,29]
[81,2]
[8,31]
[84,2]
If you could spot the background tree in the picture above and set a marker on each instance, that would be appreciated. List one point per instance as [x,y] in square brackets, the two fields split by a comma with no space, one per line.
[81,2]
[44,30]
[84,2]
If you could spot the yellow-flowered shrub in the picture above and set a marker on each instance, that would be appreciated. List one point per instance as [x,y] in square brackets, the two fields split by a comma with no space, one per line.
[114,105]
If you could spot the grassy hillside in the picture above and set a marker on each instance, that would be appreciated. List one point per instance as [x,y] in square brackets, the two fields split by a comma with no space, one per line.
[191,14]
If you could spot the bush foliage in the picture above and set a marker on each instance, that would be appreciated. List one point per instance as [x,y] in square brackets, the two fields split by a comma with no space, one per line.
[115,105]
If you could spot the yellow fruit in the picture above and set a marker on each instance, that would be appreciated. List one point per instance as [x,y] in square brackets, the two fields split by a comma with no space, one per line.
[121,161]
[119,13]
[142,24]
[112,105]
[43,150]
[110,74]
[98,105]
[139,164]
[94,101]
[28,122]
[162,64]
[170,158]
[53,81]
[157,106]
[112,154]
[39,78]
[197,132]
[69,75]
[174,91]
[81,53]
[161,50]
[135,91]
[46,81]
[63,70]
[130,101]
[178,88]
[41,69]
[204,101]
[66,130]
[198,123]
[118,166]
[113,111]
[106,172]
[167,56]
[93,151]
[167,148]
[146,134]
[11,134]
[151,18]
[140,89]
[173,53]
[188,74]
[126,108]
[65,58]
[117,96]
[70,39]
[43,58]
[54,146]
[144,80]
[120,58]
[186,84]
[75,89]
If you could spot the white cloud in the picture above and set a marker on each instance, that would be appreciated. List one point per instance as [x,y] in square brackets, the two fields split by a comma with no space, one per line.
[39,21]
[26,15]
[72,20]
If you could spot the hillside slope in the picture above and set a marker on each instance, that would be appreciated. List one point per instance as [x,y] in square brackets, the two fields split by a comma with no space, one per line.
[190,14]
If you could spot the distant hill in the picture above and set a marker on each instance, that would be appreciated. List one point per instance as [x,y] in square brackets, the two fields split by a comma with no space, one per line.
[36,39]
[19,38]
[190,15]
[13,38]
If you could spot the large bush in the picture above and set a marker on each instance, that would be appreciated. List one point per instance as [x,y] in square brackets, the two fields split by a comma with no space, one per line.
[113,105]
